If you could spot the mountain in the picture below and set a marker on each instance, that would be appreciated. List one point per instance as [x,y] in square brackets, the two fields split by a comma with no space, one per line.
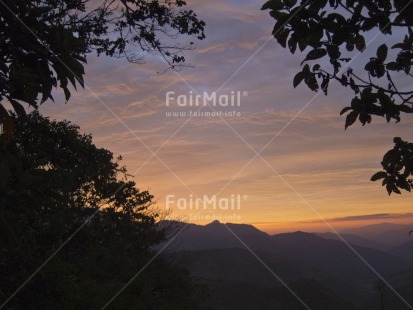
[241,257]
[405,250]
[390,234]
[220,236]
[238,280]
[401,285]
[246,296]
[374,229]
[355,240]
[220,264]
[356,264]
[329,255]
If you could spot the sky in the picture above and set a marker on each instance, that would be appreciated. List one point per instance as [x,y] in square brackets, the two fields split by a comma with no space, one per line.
[279,159]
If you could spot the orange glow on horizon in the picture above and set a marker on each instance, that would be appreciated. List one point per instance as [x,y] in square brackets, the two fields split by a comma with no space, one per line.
[329,226]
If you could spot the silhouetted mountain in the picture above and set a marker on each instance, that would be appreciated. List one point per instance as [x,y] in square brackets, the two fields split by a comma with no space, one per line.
[242,254]
[389,234]
[240,265]
[332,256]
[238,272]
[398,293]
[373,229]
[245,296]
[405,250]
[219,236]
[355,240]
[356,264]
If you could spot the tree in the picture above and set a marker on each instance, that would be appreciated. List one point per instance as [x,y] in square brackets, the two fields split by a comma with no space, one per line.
[45,42]
[336,31]
[380,287]
[53,181]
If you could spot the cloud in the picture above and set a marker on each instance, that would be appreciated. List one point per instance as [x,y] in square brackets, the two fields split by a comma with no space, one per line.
[301,131]
[378,216]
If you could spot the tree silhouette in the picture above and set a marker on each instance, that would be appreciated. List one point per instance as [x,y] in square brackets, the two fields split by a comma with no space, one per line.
[55,180]
[380,287]
[45,42]
[334,32]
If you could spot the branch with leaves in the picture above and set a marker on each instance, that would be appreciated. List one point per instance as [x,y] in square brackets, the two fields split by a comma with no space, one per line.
[333,32]
[46,42]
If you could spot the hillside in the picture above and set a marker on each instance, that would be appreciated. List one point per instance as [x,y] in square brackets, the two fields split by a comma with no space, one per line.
[240,257]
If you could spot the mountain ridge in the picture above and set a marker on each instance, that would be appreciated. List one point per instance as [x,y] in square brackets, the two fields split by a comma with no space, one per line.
[220,254]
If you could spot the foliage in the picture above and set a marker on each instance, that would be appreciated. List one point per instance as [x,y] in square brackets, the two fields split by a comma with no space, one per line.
[334,32]
[55,181]
[398,165]
[45,42]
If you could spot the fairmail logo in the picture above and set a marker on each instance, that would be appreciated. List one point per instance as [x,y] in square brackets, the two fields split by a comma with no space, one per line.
[233,99]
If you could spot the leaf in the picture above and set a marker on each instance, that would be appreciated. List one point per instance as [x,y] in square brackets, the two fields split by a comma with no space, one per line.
[389,189]
[360,43]
[364,118]
[399,19]
[302,44]
[350,46]
[315,54]
[274,5]
[292,44]
[382,52]
[372,66]
[18,108]
[311,81]
[351,118]
[398,45]
[368,24]
[396,190]
[281,35]
[405,185]
[298,78]
[393,66]
[379,175]
[290,3]
[405,108]
[346,109]
[8,125]
[350,3]
[353,86]
[333,51]
[385,25]
[324,84]
[67,93]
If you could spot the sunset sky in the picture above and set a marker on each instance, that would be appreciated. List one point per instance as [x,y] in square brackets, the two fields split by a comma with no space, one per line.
[285,151]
